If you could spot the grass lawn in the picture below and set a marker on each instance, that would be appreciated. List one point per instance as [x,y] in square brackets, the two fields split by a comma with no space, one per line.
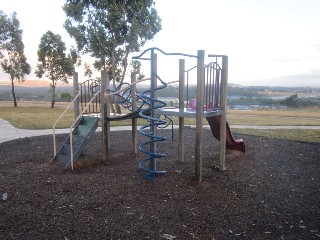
[39,115]
[305,135]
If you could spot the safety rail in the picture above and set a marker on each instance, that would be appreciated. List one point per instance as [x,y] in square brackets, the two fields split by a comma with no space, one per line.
[87,89]
[55,124]
[75,122]
[212,85]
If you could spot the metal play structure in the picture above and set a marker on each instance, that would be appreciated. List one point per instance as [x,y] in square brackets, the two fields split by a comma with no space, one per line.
[95,97]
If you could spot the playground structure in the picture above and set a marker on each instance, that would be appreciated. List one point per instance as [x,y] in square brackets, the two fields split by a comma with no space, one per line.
[210,93]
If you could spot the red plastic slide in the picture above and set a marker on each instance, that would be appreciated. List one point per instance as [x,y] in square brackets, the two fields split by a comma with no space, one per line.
[231,143]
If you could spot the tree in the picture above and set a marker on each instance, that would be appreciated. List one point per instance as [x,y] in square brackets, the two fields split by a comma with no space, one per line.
[291,101]
[66,96]
[136,68]
[53,62]
[110,30]
[12,58]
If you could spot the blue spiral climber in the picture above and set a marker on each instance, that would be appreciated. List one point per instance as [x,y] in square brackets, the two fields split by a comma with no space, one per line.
[149,130]
[149,147]
[149,114]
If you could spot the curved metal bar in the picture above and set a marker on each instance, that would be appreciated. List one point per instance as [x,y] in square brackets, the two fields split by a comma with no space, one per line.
[190,69]
[168,120]
[125,98]
[163,52]
[213,63]
[205,66]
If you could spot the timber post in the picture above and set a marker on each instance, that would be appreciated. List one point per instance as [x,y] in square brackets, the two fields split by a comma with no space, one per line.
[199,114]
[181,108]
[223,97]
[104,115]
[76,107]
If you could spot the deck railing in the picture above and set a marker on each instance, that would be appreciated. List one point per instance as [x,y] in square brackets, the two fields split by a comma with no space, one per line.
[212,85]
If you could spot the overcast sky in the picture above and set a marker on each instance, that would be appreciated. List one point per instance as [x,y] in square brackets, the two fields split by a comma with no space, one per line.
[269,42]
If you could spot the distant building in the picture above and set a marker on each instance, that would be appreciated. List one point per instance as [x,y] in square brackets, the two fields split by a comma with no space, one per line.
[170,101]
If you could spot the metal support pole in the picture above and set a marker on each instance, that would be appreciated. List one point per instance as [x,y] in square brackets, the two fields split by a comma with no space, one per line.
[134,137]
[181,108]
[199,114]
[153,126]
[223,100]
[76,107]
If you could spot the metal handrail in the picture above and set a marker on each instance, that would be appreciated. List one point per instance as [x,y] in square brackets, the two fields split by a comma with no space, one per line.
[163,52]
[54,125]
[73,124]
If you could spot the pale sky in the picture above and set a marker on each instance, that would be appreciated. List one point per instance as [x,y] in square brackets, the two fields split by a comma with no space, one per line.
[269,42]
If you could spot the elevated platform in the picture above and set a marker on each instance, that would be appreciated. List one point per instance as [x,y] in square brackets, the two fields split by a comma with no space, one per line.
[187,113]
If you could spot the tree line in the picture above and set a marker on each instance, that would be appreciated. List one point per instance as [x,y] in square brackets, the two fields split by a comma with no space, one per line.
[106,30]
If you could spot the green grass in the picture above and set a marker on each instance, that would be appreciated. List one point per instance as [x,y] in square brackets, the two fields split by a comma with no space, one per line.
[304,135]
[299,117]
[39,115]
[35,115]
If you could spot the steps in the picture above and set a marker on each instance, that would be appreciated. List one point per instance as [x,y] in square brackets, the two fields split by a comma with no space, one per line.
[80,137]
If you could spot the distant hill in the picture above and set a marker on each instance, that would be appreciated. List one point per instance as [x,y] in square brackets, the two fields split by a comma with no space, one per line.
[235,85]
[34,83]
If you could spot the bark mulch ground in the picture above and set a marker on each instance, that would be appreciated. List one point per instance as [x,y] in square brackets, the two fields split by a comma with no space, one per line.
[271,192]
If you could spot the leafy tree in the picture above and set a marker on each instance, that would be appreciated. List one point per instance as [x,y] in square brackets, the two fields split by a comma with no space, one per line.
[110,30]
[53,61]
[136,68]
[66,96]
[291,101]
[12,58]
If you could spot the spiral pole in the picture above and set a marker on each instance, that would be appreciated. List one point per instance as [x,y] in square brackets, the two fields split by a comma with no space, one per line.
[149,130]
[149,147]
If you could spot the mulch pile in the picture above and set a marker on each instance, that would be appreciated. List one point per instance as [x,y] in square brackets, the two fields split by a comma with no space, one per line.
[271,192]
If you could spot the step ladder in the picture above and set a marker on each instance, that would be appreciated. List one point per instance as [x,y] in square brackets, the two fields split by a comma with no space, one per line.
[80,138]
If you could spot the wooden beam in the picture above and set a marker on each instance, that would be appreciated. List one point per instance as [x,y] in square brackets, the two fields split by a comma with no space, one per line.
[223,103]
[104,114]
[76,107]
[199,114]
[181,108]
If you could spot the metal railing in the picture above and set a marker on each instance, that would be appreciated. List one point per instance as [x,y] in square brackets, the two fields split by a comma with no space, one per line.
[212,83]
[75,122]
[55,124]
[87,89]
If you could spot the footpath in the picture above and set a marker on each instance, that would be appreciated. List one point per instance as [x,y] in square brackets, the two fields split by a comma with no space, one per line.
[9,132]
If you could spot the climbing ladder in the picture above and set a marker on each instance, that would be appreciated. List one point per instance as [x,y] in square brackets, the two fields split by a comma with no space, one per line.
[80,137]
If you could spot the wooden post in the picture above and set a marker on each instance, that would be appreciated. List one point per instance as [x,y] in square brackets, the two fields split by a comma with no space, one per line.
[181,108]
[76,106]
[104,114]
[134,136]
[223,100]
[199,114]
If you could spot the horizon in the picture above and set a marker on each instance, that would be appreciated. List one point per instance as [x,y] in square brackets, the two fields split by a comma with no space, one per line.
[37,82]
